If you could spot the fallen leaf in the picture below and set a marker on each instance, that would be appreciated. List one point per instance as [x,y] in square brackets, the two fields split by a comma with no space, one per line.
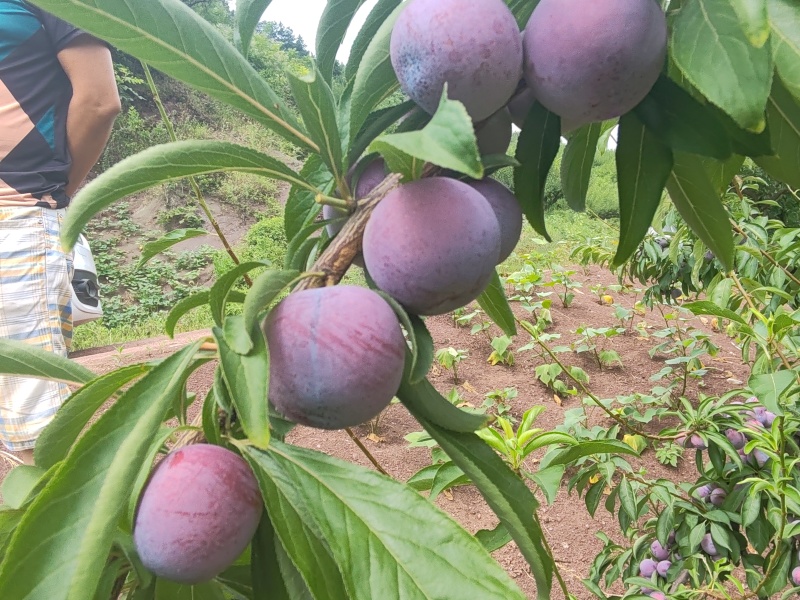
[468,386]
[556,399]
[448,494]
[594,478]
[374,438]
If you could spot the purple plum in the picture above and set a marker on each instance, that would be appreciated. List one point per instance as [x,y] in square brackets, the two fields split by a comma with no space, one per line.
[432,244]
[707,544]
[736,438]
[197,514]
[590,61]
[717,497]
[647,567]
[506,208]
[473,46]
[662,567]
[336,356]
[658,551]
[796,576]
[494,134]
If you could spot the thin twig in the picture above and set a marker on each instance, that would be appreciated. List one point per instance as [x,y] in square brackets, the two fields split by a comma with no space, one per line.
[366,451]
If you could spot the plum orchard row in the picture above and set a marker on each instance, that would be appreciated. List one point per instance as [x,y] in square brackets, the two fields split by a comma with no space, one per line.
[430,229]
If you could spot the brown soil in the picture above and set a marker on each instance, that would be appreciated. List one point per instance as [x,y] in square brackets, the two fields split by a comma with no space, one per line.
[569,529]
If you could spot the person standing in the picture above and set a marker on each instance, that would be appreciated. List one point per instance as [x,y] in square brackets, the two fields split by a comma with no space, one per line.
[58,102]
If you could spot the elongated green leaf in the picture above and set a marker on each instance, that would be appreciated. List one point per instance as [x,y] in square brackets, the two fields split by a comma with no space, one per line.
[768,388]
[683,123]
[419,551]
[318,108]
[299,538]
[447,141]
[169,590]
[377,122]
[265,569]
[175,236]
[643,166]
[784,20]
[549,480]
[537,148]
[266,288]
[522,9]
[576,164]
[301,206]
[703,307]
[221,290]
[18,484]
[247,379]
[9,521]
[783,115]
[20,358]
[61,433]
[100,470]
[435,408]
[375,79]
[700,205]
[711,50]
[447,476]
[163,163]
[494,302]
[248,14]
[332,28]
[504,492]
[493,539]
[382,10]
[423,343]
[573,453]
[752,15]
[194,301]
[171,37]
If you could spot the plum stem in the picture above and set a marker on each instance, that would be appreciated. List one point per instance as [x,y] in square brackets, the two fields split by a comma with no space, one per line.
[335,202]
[366,451]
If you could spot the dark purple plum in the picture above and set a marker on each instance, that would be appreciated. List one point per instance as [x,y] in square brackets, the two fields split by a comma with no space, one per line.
[432,245]
[763,416]
[494,134]
[736,438]
[197,514]
[707,544]
[703,492]
[662,567]
[758,457]
[647,567]
[659,552]
[796,576]
[473,46]
[336,356]
[589,61]
[696,442]
[507,210]
[717,497]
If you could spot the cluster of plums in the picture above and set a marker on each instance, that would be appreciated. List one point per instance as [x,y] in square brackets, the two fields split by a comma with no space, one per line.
[659,563]
[337,354]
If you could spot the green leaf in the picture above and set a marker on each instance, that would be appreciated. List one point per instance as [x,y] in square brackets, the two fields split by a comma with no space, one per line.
[493,539]
[423,344]
[522,10]
[704,307]
[247,378]
[98,473]
[549,481]
[573,453]
[318,108]
[266,288]
[338,500]
[383,10]
[783,116]
[711,50]
[435,407]
[447,141]
[175,236]
[447,476]
[752,15]
[20,358]
[537,148]
[248,14]
[700,205]
[172,38]
[169,590]
[576,164]
[61,433]
[627,498]
[503,490]
[375,79]
[9,521]
[295,586]
[769,387]
[784,20]
[643,166]
[377,122]
[398,161]
[18,484]
[332,28]
[221,290]
[495,304]
[268,582]
[301,206]
[683,123]
[164,163]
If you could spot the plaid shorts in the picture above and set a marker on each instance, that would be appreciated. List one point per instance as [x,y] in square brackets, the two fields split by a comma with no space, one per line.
[35,293]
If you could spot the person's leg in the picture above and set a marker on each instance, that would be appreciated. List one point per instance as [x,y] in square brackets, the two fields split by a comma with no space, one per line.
[34,307]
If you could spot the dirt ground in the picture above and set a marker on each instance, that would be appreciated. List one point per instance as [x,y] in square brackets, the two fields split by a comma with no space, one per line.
[569,529]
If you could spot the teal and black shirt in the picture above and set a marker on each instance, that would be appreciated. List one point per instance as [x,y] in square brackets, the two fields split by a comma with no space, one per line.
[34,98]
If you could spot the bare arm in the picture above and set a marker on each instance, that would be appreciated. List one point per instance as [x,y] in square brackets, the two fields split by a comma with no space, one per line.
[94,106]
